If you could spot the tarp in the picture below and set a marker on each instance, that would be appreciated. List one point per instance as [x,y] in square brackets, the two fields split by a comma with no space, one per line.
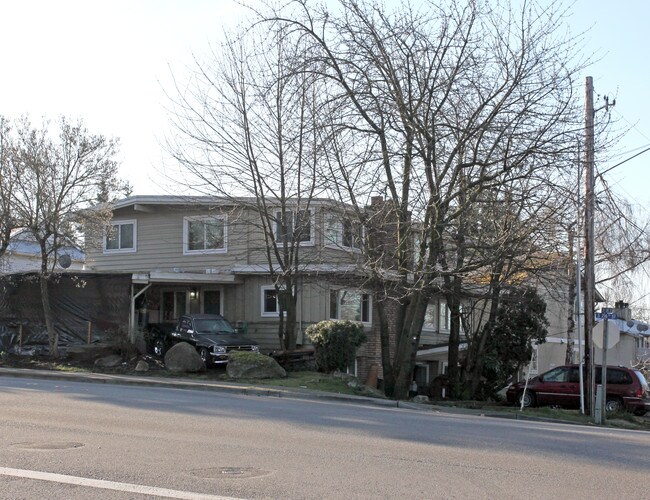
[78,299]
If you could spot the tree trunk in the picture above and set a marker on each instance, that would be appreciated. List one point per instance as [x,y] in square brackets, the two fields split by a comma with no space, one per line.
[453,353]
[384,339]
[290,323]
[474,370]
[398,376]
[453,350]
[571,324]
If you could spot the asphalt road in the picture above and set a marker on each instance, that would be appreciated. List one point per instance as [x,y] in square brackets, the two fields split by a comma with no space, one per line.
[69,440]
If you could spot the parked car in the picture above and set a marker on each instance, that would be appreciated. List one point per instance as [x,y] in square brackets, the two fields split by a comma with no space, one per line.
[211,334]
[626,389]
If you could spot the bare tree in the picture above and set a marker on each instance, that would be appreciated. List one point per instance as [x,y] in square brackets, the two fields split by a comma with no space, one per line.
[63,174]
[247,131]
[8,176]
[442,102]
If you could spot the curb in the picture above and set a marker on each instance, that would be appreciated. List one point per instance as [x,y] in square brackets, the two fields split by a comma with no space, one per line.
[274,392]
[228,387]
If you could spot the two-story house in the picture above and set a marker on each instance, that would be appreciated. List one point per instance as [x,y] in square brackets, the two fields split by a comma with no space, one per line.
[209,255]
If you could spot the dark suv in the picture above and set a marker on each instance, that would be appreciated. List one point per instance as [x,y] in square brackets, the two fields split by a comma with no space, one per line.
[626,389]
[212,336]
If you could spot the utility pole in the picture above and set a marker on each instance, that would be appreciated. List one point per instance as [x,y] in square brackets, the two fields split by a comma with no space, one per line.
[589,289]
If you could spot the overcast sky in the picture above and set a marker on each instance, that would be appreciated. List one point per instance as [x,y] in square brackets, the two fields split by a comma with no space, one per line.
[108,62]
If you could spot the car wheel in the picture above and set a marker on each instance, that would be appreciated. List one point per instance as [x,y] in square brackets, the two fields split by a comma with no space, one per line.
[612,405]
[159,348]
[640,413]
[528,397]
[205,355]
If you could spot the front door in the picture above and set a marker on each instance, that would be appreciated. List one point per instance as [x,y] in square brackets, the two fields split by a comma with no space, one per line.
[212,302]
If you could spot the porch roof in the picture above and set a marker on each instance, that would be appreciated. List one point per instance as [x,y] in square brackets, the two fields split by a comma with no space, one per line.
[171,277]
[437,352]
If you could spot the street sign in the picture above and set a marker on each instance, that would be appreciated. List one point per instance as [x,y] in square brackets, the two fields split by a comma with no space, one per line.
[613,334]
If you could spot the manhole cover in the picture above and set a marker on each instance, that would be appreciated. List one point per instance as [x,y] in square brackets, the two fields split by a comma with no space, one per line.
[52,445]
[230,472]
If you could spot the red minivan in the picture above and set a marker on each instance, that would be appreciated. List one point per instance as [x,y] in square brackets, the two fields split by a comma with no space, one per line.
[626,389]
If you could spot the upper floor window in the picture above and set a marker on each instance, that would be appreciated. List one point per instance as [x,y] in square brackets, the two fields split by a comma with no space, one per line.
[344,232]
[438,317]
[298,225]
[430,317]
[121,236]
[351,305]
[443,315]
[204,234]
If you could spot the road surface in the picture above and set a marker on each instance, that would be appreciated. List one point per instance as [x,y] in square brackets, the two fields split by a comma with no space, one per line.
[69,440]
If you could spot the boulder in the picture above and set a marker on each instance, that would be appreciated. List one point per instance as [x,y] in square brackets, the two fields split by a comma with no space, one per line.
[421,399]
[183,358]
[249,365]
[141,366]
[111,361]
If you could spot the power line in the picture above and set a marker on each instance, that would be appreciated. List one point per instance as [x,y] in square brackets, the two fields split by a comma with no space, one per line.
[624,161]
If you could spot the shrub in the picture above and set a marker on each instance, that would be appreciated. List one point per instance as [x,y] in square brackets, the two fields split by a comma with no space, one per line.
[335,343]
[244,356]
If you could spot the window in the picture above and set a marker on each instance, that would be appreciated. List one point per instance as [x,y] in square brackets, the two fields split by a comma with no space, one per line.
[206,234]
[174,305]
[352,234]
[270,299]
[121,236]
[346,233]
[430,318]
[560,374]
[350,305]
[443,314]
[442,322]
[298,225]
[614,376]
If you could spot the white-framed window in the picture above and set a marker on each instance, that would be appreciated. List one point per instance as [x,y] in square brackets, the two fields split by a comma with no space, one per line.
[430,318]
[299,224]
[204,234]
[418,237]
[421,375]
[443,315]
[344,232]
[351,305]
[465,316]
[121,236]
[270,301]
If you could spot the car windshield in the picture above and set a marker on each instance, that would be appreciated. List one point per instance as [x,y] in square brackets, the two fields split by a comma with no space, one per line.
[212,326]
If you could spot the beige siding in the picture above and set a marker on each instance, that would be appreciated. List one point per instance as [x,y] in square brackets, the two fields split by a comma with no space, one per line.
[159,244]
[243,304]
